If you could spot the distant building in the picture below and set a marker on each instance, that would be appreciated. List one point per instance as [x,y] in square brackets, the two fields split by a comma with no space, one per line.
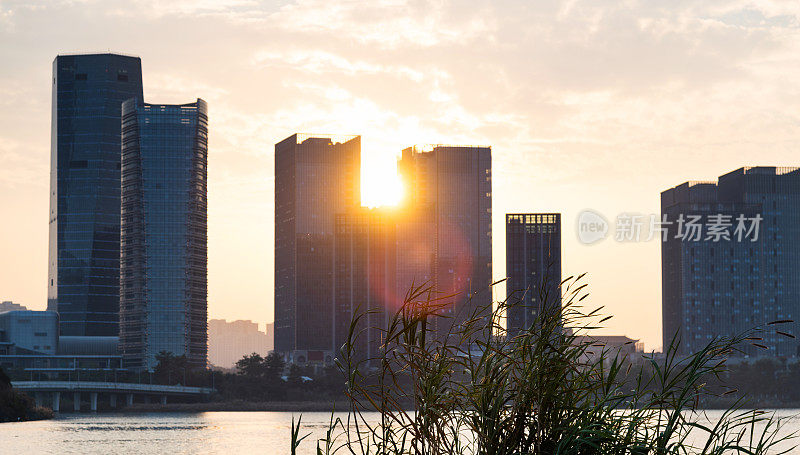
[316,177]
[723,285]
[228,342]
[613,346]
[83,281]
[164,260]
[28,332]
[30,343]
[364,274]
[444,231]
[11,306]
[533,267]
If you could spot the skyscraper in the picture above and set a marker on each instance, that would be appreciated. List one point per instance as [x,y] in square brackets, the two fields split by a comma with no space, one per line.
[163,304]
[533,267]
[83,268]
[364,273]
[730,259]
[316,177]
[444,236]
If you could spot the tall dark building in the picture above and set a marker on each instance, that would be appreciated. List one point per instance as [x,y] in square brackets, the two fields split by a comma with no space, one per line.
[444,235]
[316,177]
[741,267]
[83,268]
[533,267]
[364,273]
[163,305]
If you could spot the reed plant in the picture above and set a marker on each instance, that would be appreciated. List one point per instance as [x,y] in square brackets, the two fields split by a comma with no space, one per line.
[543,390]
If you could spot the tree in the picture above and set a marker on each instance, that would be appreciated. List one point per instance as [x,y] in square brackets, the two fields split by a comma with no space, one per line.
[171,369]
[274,366]
[251,365]
[5,381]
[294,375]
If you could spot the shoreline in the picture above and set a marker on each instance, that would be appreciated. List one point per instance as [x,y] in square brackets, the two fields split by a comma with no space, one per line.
[343,406]
[237,406]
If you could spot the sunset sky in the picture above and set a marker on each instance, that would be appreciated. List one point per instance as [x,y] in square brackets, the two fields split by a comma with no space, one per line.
[587,105]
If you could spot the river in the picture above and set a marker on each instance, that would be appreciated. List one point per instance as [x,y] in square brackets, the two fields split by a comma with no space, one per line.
[230,433]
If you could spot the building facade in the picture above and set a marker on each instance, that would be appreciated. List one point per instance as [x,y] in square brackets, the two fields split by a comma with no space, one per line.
[83,267]
[364,273]
[444,233]
[726,284]
[163,304]
[316,177]
[28,332]
[533,267]
[228,342]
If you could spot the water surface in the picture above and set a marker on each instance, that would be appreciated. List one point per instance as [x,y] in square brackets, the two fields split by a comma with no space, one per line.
[230,433]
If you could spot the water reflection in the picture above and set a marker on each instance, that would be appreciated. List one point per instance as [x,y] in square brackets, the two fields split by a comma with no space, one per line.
[231,433]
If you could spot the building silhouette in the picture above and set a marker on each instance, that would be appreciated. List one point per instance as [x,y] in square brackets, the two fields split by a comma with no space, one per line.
[163,305]
[316,177]
[228,342]
[83,267]
[8,305]
[364,274]
[723,285]
[444,231]
[533,267]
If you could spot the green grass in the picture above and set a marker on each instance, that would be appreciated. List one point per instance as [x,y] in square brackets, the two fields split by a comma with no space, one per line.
[542,391]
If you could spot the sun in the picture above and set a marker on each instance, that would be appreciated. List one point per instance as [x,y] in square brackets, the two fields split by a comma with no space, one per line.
[380,183]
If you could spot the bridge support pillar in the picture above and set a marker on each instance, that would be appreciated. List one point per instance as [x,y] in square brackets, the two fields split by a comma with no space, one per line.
[129,399]
[112,401]
[56,401]
[93,401]
[163,399]
[76,401]
[38,398]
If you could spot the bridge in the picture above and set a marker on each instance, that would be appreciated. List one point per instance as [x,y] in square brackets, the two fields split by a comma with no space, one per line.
[41,389]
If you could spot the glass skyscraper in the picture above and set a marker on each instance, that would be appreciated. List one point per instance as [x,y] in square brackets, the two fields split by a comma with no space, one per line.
[316,177]
[444,235]
[364,257]
[723,285]
[533,267]
[163,305]
[83,267]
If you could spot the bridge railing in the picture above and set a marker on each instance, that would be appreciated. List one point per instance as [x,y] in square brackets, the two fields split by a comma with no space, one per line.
[120,387]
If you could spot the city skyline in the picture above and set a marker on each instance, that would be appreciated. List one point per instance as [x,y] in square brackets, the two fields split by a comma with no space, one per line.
[667,117]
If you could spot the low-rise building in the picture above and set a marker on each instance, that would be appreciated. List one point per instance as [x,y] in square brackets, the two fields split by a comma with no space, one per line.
[28,332]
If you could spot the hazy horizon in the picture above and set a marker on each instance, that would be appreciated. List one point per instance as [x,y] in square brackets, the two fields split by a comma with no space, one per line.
[587,105]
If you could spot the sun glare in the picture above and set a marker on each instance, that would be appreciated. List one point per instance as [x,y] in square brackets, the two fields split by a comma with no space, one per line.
[380,184]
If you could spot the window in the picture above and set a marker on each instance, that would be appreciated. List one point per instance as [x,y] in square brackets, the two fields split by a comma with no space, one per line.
[80,76]
[40,334]
[122,77]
